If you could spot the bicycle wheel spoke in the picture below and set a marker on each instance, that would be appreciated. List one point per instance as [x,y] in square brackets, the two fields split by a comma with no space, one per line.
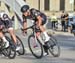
[21,51]
[35,46]
[54,47]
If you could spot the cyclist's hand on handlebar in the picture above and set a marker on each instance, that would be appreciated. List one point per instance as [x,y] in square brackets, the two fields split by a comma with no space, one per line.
[24,32]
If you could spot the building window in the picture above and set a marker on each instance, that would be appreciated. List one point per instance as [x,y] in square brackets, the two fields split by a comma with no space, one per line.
[39,4]
[0,3]
[74,5]
[62,4]
[46,5]
[25,0]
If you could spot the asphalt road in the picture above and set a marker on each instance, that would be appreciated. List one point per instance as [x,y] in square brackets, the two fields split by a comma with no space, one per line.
[67,44]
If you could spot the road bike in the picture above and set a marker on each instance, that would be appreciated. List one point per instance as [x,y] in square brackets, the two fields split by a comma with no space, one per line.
[36,46]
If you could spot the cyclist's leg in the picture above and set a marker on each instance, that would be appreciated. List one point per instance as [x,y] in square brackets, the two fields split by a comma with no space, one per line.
[12,34]
[42,28]
[44,32]
[44,46]
[6,43]
[11,31]
[8,25]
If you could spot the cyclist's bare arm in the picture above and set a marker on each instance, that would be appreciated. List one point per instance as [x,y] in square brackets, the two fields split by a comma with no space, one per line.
[24,25]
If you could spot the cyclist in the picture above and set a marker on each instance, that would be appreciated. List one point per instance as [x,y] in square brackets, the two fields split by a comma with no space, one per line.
[5,22]
[39,18]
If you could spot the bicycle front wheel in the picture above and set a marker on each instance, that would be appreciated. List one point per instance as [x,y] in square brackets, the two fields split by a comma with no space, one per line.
[11,52]
[22,50]
[35,46]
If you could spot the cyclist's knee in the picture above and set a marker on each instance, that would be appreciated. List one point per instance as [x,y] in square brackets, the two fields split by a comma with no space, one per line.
[11,31]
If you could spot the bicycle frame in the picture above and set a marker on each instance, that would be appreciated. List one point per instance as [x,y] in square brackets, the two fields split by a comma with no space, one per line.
[33,27]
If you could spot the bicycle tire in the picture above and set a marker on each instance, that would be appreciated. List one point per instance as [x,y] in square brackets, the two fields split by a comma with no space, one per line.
[53,42]
[41,47]
[22,51]
[11,49]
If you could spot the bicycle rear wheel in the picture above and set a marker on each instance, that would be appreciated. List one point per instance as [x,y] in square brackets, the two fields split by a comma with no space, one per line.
[35,46]
[5,52]
[11,51]
[54,47]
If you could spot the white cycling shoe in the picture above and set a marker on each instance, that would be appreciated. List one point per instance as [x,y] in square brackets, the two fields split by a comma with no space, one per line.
[45,54]
[6,44]
[18,48]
